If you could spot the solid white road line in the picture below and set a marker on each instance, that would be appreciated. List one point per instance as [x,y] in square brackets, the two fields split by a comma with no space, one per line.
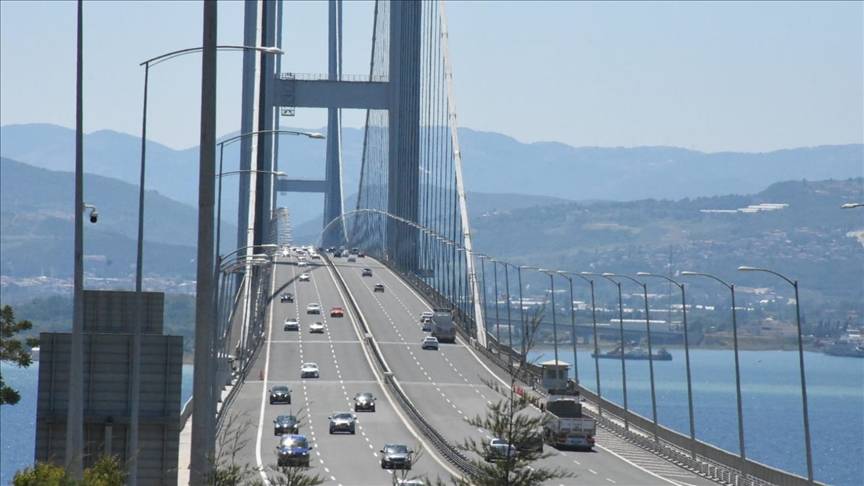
[258,460]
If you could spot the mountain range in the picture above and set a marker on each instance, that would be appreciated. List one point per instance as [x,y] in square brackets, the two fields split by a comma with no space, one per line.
[493,163]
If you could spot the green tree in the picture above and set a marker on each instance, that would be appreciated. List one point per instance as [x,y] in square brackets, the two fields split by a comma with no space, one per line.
[13,350]
[106,471]
[42,474]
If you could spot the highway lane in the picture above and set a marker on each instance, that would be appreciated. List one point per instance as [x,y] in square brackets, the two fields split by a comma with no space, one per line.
[340,458]
[449,385]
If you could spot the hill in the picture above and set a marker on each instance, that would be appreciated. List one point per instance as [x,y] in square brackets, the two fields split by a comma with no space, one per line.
[493,163]
[36,217]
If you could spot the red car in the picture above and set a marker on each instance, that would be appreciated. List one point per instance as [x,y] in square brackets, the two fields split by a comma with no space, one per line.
[337,312]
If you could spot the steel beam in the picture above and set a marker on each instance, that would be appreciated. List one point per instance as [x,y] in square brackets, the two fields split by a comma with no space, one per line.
[324,93]
[301,185]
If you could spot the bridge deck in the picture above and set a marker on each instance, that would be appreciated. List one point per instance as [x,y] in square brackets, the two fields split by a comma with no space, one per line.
[448,386]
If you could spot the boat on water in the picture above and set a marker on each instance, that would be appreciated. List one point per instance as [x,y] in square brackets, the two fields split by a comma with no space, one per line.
[846,348]
[636,353]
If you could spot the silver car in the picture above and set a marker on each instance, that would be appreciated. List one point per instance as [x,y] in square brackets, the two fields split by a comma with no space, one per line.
[313,308]
[309,370]
[343,422]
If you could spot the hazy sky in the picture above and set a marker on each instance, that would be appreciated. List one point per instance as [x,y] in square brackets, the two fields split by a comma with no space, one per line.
[709,76]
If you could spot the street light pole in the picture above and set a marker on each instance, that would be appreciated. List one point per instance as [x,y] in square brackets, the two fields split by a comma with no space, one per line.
[509,319]
[74,453]
[572,326]
[731,288]
[596,348]
[621,330]
[794,284]
[650,351]
[203,410]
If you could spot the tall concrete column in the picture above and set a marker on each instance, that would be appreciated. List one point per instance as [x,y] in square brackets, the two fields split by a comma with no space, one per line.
[333,171]
[266,114]
[247,117]
[204,410]
[404,131]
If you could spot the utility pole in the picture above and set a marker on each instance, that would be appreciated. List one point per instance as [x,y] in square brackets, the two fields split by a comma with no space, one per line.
[75,411]
[203,409]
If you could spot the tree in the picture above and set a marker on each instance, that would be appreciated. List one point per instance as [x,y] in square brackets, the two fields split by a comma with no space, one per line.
[106,471]
[12,350]
[511,419]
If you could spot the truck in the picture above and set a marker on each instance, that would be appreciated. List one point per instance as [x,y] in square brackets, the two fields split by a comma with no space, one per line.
[564,426]
[443,327]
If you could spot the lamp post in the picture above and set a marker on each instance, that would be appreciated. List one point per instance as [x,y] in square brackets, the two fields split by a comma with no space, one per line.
[74,451]
[794,284]
[509,319]
[686,353]
[551,275]
[572,325]
[132,459]
[731,288]
[596,349]
[621,330]
[650,351]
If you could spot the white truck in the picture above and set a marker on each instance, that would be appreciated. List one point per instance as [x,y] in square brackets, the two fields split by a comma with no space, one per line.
[565,426]
[443,327]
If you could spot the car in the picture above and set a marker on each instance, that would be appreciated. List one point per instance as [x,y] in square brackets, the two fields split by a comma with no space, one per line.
[280,394]
[302,263]
[367,272]
[309,370]
[352,259]
[343,422]
[429,342]
[531,443]
[337,312]
[396,456]
[410,482]
[498,450]
[354,251]
[361,255]
[426,315]
[285,424]
[304,277]
[378,288]
[293,450]
[287,297]
[313,308]
[316,256]
[337,254]
[316,327]
[291,325]
[364,401]
[427,325]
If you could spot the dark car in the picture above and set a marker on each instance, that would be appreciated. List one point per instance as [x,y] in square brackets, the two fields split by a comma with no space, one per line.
[396,456]
[287,297]
[361,255]
[367,272]
[286,424]
[364,401]
[337,254]
[342,422]
[280,394]
[379,288]
[293,450]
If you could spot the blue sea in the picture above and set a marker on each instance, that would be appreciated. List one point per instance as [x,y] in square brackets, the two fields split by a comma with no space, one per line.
[18,422]
[771,398]
[771,401]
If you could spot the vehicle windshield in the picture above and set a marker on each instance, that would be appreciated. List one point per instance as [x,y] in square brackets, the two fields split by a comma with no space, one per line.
[364,396]
[396,449]
[310,365]
[295,441]
[286,419]
[280,389]
[343,416]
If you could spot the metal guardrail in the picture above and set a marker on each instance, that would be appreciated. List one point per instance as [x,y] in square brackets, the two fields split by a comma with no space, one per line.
[325,77]
[185,413]
[449,451]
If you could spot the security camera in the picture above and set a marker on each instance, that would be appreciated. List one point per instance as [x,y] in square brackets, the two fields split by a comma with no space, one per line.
[94,216]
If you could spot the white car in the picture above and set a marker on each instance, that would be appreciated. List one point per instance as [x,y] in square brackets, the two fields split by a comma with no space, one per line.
[352,259]
[499,450]
[426,315]
[304,277]
[313,308]
[429,342]
[309,370]
[316,327]
[302,263]
[291,325]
